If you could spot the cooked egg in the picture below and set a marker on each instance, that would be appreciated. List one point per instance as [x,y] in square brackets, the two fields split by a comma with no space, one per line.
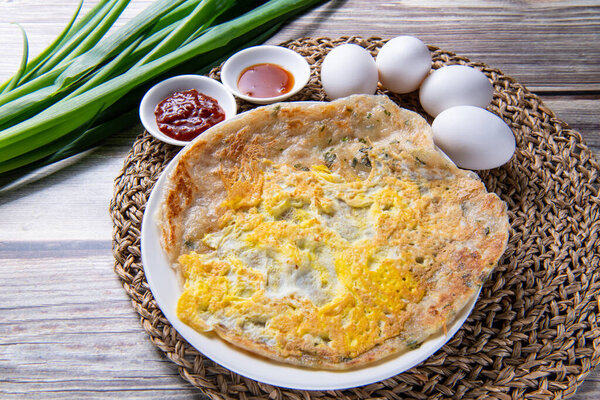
[288,266]
[473,138]
[348,69]
[403,62]
[455,85]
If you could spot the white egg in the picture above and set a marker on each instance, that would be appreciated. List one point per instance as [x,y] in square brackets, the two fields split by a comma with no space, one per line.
[473,138]
[348,69]
[403,63]
[455,85]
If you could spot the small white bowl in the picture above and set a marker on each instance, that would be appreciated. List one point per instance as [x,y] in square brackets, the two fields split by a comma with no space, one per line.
[164,89]
[282,56]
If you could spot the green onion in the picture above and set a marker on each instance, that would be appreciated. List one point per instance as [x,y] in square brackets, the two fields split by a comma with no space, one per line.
[84,87]
[23,103]
[207,11]
[36,62]
[106,72]
[87,37]
[13,82]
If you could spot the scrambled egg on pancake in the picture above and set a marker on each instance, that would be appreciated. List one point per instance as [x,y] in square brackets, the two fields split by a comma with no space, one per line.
[343,262]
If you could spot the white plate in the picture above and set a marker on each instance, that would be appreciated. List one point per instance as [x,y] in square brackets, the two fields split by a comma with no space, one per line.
[166,290]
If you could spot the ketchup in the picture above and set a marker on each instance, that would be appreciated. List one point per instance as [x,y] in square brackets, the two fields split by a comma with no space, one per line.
[186,114]
[265,80]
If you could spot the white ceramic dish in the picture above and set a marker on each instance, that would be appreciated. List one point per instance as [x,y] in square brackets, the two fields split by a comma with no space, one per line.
[164,89]
[282,56]
[166,291]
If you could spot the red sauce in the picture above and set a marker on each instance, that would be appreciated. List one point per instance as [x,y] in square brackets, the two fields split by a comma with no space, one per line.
[185,115]
[265,80]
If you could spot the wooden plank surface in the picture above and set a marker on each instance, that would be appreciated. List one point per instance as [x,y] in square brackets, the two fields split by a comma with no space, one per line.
[67,329]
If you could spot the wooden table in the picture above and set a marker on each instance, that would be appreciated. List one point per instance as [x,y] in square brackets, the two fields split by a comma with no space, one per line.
[67,329]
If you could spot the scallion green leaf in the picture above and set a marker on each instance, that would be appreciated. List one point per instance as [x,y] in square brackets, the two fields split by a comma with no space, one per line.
[75,41]
[33,65]
[25,55]
[85,85]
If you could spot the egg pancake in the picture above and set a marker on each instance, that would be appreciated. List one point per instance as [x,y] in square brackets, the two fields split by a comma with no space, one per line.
[327,235]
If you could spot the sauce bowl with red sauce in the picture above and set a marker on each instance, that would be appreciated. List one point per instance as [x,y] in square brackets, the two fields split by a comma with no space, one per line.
[265,74]
[179,109]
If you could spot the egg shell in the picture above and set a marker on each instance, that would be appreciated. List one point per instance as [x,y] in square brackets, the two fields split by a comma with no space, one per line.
[455,85]
[403,62]
[473,138]
[348,69]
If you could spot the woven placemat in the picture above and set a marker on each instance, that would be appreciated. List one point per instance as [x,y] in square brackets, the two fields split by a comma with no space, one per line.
[534,332]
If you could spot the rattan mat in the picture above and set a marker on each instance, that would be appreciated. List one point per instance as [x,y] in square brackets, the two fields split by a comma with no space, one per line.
[534,332]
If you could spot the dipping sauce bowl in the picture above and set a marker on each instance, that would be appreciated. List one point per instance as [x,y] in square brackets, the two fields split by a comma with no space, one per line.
[166,88]
[277,56]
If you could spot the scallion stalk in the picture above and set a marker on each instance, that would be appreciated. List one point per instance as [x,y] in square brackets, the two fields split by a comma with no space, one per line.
[15,80]
[53,113]
[36,95]
[86,38]
[34,64]
[206,11]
